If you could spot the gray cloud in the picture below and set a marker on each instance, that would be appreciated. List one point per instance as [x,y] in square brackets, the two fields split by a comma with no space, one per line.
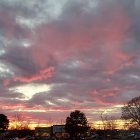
[93,48]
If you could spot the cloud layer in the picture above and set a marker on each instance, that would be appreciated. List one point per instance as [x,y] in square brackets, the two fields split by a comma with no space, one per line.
[77,55]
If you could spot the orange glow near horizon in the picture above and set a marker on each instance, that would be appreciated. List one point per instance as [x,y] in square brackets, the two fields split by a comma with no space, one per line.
[31,125]
[120,124]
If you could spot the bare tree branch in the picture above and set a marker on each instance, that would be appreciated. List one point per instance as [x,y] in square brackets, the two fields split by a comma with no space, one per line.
[131,112]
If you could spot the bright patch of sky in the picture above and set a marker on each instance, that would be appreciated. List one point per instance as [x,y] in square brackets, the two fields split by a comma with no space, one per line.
[30,89]
[43,11]
[63,100]
[5,71]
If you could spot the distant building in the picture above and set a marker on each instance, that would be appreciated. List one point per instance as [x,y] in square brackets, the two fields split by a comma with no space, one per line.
[58,129]
[43,131]
[55,130]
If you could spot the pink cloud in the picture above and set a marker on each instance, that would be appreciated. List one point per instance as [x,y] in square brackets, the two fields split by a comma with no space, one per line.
[43,74]
[72,37]
[108,96]
[97,42]
[6,82]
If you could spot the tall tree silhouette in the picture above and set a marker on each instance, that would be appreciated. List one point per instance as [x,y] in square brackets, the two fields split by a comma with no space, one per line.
[4,122]
[131,112]
[76,123]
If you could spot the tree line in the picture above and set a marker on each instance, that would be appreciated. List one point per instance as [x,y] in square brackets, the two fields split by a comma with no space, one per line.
[76,122]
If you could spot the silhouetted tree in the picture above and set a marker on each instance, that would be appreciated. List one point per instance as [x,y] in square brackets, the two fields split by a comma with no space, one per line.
[131,112]
[76,123]
[108,122]
[4,122]
[109,125]
[20,122]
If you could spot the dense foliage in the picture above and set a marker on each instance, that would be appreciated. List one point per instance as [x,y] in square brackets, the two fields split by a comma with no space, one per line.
[4,122]
[76,123]
[131,112]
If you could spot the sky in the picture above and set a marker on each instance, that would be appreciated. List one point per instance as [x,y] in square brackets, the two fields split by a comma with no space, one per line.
[57,56]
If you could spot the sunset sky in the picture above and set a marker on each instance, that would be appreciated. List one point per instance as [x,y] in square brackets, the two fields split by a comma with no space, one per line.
[60,55]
